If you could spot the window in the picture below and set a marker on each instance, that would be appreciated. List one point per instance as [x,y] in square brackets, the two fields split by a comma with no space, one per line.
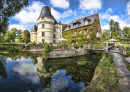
[85,31]
[54,30]
[53,41]
[43,34]
[54,36]
[60,36]
[43,40]
[86,22]
[43,25]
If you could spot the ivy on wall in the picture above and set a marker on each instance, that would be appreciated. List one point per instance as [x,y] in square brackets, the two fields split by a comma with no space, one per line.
[78,35]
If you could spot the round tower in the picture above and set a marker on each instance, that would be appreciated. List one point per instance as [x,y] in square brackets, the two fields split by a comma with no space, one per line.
[33,36]
[45,24]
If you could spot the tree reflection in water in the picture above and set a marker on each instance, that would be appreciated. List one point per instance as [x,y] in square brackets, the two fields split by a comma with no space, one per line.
[3,71]
[80,69]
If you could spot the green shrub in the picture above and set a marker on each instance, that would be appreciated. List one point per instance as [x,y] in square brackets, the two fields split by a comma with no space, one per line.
[76,46]
[128,50]
[11,49]
[46,49]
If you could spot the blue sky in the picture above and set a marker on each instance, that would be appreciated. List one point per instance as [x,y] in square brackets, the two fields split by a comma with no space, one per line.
[69,10]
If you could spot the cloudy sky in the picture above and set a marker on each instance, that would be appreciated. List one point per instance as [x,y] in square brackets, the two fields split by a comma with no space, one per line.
[69,10]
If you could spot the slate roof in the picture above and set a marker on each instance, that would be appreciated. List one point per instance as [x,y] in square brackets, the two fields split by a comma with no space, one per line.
[34,28]
[90,18]
[45,12]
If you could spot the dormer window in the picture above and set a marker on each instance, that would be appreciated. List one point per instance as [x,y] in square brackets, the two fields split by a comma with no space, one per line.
[86,22]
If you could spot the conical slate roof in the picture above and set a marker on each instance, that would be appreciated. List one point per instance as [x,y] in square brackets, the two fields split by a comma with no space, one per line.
[45,12]
[34,28]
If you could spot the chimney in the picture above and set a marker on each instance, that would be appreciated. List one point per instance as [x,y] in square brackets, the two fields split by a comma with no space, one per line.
[50,7]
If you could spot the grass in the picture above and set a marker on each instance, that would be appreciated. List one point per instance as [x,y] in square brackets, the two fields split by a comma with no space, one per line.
[125,45]
[105,78]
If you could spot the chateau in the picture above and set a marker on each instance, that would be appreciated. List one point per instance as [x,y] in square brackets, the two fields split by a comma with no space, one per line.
[47,28]
[82,30]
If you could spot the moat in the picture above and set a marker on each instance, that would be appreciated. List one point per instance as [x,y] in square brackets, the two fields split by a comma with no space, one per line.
[28,72]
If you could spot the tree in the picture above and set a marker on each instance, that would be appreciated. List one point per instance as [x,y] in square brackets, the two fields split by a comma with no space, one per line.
[106,35]
[126,34]
[19,35]
[12,34]
[63,27]
[26,36]
[10,8]
[111,24]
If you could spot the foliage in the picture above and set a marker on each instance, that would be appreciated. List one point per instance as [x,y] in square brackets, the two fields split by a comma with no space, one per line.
[126,34]
[11,49]
[12,34]
[10,8]
[19,35]
[1,39]
[26,36]
[63,27]
[115,30]
[3,64]
[32,44]
[46,49]
[128,50]
[78,35]
[76,46]
[106,35]
[105,78]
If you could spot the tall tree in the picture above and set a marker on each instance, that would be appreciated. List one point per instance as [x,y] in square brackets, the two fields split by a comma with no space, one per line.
[111,24]
[9,8]
[126,34]
[26,36]
[19,35]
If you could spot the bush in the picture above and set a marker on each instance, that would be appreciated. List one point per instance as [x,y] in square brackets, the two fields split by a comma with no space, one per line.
[11,49]
[128,50]
[46,49]
[76,46]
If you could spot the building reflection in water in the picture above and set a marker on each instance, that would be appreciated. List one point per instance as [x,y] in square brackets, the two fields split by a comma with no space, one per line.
[44,75]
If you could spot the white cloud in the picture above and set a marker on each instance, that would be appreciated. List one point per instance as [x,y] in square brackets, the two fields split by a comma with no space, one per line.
[27,71]
[105,27]
[90,4]
[60,3]
[59,15]
[18,26]
[29,14]
[27,17]
[128,8]
[106,15]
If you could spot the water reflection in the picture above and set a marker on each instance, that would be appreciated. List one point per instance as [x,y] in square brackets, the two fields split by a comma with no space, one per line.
[36,74]
[3,71]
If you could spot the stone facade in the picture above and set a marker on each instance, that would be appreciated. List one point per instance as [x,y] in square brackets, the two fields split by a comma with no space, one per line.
[47,29]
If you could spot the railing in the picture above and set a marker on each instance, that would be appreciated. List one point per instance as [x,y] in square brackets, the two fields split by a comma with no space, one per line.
[95,47]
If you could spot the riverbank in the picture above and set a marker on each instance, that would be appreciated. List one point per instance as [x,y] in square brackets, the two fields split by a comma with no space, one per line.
[105,77]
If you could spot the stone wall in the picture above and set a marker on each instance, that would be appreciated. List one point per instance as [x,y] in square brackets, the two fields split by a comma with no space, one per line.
[66,53]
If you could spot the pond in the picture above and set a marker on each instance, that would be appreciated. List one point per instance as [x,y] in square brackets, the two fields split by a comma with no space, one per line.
[28,72]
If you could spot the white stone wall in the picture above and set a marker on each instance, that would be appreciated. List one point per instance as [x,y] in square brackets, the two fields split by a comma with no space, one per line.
[48,30]
[33,37]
